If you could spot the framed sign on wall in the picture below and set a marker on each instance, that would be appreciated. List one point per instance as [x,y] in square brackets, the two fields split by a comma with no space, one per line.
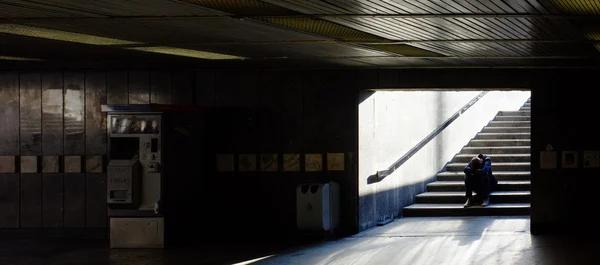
[569,159]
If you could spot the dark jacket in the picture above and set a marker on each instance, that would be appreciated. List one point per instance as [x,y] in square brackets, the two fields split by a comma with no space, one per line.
[485,169]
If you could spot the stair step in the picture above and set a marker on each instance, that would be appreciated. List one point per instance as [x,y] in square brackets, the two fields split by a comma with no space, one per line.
[525,108]
[527,104]
[503,136]
[514,113]
[505,185]
[496,150]
[459,197]
[499,142]
[512,118]
[509,124]
[465,158]
[491,129]
[502,166]
[448,209]
[500,175]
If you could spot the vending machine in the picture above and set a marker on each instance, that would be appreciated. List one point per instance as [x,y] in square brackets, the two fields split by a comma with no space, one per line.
[150,156]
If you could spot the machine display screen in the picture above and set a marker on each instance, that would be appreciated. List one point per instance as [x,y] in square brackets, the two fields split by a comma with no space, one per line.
[134,125]
[119,194]
[124,147]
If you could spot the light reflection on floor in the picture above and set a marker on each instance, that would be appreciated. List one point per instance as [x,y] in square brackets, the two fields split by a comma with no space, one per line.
[451,240]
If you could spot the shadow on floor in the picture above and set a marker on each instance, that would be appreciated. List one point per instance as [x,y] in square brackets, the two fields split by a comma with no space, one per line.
[85,246]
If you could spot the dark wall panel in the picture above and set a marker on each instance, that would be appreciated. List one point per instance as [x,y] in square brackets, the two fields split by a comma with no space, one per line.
[52,200]
[74,196]
[74,183]
[52,114]
[95,123]
[244,96]
[269,117]
[160,88]
[31,145]
[247,87]
[282,96]
[205,89]
[291,113]
[10,146]
[341,97]
[31,200]
[74,113]
[341,136]
[9,116]
[139,87]
[248,98]
[95,202]
[31,114]
[95,184]
[182,88]
[116,86]
[227,91]
[255,113]
[314,109]
[52,145]
[561,198]
[9,200]
[224,112]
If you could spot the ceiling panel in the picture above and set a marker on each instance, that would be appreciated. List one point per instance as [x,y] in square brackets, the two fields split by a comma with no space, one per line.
[396,61]
[294,51]
[462,28]
[509,49]
[357,33]
[514,62]
[51,50]
[322,27]
[117,7]
[418,6]
[578,7]
[10,10]
[407,62]
[242,7]
[405,50]
[289,63]
[178,31]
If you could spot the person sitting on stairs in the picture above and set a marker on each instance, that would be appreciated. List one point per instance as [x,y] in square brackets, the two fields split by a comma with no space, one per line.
[479,178]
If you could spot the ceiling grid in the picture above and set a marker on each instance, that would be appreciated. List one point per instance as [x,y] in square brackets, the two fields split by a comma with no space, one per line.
[357,33]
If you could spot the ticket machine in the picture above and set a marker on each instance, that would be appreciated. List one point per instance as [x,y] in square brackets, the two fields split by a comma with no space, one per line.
[147,147]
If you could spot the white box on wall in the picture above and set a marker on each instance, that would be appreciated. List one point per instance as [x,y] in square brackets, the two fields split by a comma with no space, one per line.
[318,206]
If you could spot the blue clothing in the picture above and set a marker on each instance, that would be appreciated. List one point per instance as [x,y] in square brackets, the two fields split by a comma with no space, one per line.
[481,180]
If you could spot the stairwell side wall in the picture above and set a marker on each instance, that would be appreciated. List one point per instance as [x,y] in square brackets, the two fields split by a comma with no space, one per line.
[393,122]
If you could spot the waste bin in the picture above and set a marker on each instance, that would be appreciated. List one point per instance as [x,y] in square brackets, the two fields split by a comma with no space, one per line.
[318,207]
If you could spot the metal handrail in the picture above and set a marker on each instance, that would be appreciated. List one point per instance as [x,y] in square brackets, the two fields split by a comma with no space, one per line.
[380,175]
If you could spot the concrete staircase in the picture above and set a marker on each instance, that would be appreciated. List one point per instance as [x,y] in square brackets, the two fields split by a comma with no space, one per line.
[506,139]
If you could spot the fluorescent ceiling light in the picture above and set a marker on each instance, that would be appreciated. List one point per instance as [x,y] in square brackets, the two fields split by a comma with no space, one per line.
[13,58]
[60,35]
[97,40]
[187,53]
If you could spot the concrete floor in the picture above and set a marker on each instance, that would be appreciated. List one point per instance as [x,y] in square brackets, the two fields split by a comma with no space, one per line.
[449,240]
